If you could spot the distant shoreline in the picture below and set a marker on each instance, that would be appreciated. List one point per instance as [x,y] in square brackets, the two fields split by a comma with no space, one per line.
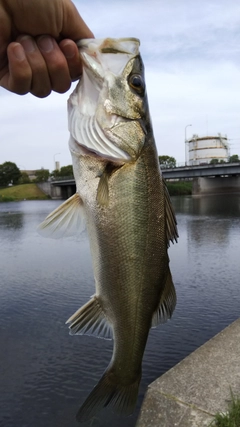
[32,192]
[22,192]
[179,188]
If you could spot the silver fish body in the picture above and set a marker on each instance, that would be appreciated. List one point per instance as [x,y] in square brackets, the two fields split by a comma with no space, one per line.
[124,201]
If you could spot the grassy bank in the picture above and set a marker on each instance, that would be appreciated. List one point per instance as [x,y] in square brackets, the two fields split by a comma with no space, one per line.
[21,192]
[179,188]
[32,192]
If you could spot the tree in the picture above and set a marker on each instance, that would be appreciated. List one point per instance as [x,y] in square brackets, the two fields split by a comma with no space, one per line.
[42,175]
[64,171]
[9,174]
[167,162]
[234,158]
[24,179]
[214,162]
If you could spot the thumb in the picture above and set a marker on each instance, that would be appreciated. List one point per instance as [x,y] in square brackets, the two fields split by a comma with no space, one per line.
[74,26]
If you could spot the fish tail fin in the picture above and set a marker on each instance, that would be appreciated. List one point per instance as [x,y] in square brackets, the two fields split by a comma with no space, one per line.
[109,392]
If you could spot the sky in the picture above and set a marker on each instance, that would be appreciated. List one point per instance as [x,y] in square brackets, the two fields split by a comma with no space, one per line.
[191,53]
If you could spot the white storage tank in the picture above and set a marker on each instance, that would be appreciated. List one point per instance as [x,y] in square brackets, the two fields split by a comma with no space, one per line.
[203,149]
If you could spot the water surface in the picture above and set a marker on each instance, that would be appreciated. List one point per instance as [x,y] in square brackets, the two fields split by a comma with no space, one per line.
[45,374]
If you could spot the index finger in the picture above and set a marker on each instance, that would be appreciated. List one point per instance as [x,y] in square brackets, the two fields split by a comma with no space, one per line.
[71,53]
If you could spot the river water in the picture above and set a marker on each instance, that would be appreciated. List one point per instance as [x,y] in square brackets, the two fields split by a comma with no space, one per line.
[45,374]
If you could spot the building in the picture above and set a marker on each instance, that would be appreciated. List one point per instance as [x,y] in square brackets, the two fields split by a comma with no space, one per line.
[31,174]
[202,150]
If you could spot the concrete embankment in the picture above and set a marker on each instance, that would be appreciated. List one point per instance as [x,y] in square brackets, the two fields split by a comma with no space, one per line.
[192,392]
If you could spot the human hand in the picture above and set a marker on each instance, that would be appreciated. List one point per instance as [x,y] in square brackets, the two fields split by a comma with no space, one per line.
[37,49]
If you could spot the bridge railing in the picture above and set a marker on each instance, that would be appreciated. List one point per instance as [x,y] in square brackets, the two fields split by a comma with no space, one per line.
[62,178]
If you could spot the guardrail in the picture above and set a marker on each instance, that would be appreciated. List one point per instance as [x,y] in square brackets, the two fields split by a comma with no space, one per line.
[62,178]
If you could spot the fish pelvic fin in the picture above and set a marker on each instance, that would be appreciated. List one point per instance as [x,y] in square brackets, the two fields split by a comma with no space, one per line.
[90,320]
[171,222]
[167,302]
[67,220]
[109,392]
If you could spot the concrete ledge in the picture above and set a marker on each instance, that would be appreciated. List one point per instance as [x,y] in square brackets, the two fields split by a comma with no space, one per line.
[191,393]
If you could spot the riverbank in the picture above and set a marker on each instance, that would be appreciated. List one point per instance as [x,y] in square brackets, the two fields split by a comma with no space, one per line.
[192,392]
[32,191]
[179,188]
[22,192]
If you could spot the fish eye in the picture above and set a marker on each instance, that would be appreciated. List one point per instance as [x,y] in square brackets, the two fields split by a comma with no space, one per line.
[137,83]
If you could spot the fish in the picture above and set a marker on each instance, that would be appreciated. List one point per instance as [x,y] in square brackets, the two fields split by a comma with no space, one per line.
[122,200]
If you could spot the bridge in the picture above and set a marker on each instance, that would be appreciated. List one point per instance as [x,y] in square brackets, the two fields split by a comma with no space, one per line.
[223,178]
[226,179]
[210,170]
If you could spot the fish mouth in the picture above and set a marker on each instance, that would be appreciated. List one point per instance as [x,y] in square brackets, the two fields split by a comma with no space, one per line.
[128,45]
[92,52]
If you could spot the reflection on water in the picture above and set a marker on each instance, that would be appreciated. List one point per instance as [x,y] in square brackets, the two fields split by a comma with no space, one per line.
[223,206]
[11,220]
[46,373]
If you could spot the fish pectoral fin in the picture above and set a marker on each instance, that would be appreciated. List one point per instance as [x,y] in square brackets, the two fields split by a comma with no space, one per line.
[103,187]
[67,220]
[167,302]
[103,190]
[121,398]
[171,222]
[90,320]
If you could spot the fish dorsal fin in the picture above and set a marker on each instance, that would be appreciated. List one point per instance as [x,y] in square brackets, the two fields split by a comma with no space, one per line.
[90,320]
[167,302]
[171,222]
[67,220]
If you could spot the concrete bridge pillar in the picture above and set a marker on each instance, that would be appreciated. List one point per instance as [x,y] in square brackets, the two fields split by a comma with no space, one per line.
[57,191]
[50,190]
[68,191]
[216,185]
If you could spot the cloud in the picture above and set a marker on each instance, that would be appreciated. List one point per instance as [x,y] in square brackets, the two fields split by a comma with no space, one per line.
[206,99]
[33,130]
[191,52]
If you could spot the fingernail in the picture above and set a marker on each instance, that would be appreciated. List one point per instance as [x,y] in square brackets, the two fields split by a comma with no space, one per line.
[18,52]
[28,44]
[45,43]
[69,51]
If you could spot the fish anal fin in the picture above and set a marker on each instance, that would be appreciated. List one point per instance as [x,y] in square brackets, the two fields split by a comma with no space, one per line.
[109,392]
[67,220]
[90,320]
[171,222]
[167,302]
